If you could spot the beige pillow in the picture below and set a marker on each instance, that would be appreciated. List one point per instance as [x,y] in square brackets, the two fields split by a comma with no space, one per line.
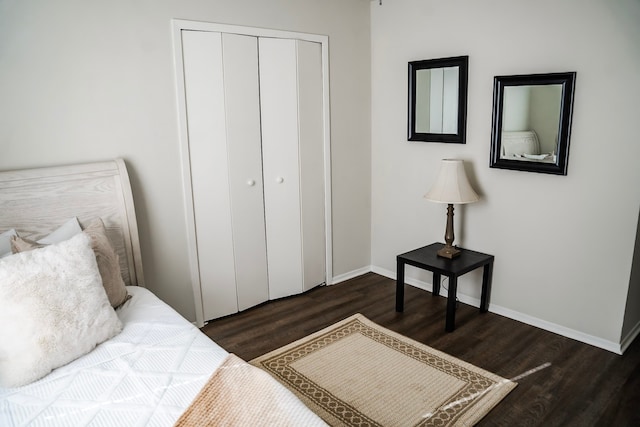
[106,256]
[108,263]
[5,242]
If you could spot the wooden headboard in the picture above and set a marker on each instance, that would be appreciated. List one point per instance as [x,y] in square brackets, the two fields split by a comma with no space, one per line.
[37,201]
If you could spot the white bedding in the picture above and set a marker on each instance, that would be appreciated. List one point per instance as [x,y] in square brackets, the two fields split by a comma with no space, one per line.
[145,376]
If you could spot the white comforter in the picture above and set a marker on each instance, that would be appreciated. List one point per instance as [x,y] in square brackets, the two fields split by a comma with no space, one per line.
[145,376]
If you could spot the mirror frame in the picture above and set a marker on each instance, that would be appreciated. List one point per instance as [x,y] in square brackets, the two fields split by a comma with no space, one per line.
[455,138]
[567,80]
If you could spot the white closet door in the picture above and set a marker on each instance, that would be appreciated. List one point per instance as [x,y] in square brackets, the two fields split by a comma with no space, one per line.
[279,106]
[311,124]
[242,98]
[206,124]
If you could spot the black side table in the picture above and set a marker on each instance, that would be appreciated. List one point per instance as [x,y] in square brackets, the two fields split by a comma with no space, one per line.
[427,259]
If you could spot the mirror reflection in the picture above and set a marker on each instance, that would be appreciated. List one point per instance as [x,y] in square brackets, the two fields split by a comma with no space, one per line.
[438,100]
[532,122]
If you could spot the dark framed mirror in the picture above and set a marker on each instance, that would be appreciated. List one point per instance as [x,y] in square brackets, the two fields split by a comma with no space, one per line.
[438,100]
[531,122]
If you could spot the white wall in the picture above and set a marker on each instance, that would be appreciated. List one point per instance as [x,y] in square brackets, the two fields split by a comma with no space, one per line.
[517,107]
[563,244]
[545,115]
[83,81]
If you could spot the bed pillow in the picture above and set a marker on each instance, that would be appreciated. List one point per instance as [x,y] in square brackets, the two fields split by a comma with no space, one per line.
[5,242]
[106,256]
[517,143]
[62,233]
[53,309]
[108,263]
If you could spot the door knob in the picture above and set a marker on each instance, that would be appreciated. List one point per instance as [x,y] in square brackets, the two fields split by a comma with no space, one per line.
[279,180]
[251,182]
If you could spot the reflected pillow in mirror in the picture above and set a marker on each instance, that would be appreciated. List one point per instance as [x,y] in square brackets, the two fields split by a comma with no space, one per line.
[518,143]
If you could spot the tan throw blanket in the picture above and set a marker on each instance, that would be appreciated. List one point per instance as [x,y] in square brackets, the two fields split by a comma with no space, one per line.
[238,394]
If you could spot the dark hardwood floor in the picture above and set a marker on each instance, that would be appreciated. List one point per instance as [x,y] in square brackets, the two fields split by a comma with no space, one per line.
[561,382]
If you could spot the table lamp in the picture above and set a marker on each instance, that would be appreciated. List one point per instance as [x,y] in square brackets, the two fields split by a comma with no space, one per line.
[451,187]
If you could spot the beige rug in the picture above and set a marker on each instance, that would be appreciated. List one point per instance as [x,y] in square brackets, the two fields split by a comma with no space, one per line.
[357,373]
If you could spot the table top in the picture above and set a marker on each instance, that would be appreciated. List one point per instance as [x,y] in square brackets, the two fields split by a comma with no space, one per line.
[427,258]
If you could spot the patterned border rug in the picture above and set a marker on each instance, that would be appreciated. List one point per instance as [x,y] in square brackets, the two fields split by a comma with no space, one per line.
[357,373]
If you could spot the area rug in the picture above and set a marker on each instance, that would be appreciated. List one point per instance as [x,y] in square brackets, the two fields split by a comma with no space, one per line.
[357,373]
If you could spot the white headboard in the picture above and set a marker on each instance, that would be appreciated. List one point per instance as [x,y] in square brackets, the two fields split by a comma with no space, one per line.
[37,201]
[520,142]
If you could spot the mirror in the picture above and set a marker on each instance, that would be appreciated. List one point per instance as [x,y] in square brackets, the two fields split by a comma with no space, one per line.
[532,122]
[438,100]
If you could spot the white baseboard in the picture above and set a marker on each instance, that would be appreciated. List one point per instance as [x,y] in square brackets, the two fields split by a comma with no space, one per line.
[475,302]
[557,329]
[350,275]
[525,318]
[626,341]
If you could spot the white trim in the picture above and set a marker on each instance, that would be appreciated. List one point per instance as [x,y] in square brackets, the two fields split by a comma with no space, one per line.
[557,329]
[328,230]
[351,274]
[177,26]
[182,24]
[183,136]
[627,340]
[521,317]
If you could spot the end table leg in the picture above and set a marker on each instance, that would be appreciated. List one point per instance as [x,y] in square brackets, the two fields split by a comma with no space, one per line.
[451,304]
[435,288]
[486,287]
[399,285]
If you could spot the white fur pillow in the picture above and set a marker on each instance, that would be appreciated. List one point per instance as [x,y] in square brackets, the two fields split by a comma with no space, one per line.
[106,256]
[53,309]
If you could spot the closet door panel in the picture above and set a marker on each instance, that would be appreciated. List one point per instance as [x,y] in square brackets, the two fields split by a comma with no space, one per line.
[204,91]
[242,98]
[311,141]
[279,107]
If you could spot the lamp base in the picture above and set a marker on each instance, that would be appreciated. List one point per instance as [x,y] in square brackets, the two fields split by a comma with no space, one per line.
[449,252]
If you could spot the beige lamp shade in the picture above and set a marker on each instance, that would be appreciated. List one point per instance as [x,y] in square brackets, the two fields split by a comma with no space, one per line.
[452,185]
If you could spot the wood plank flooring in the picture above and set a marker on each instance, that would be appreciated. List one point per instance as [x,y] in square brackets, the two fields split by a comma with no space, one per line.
[561,382]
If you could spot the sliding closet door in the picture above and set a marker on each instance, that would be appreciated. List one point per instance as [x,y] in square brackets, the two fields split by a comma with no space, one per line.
[206,123]
[292,135]
[242,99]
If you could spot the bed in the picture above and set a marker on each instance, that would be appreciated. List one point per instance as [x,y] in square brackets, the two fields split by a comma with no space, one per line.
[525,146]
[157,368]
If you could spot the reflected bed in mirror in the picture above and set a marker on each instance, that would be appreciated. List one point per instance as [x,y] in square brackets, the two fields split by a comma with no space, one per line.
[438,100]
[532,122]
